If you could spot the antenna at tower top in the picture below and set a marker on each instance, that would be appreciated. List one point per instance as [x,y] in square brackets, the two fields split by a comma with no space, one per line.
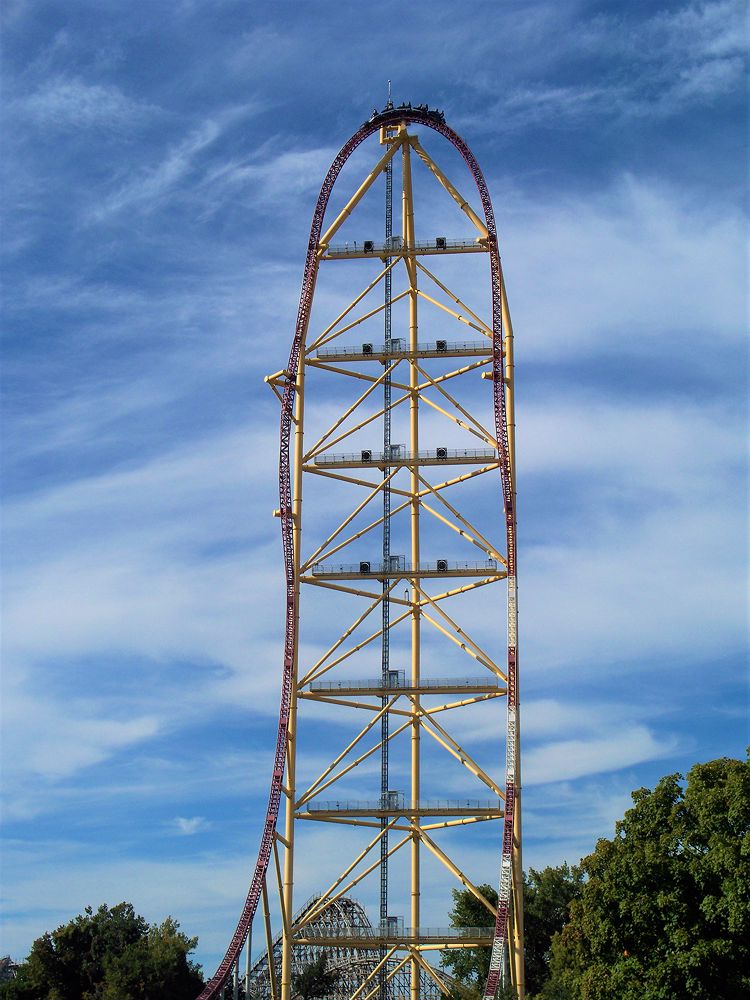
[390,102]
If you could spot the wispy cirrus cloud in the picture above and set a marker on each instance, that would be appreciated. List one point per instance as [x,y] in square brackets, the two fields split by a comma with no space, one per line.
[180,166]
[589,264]
[151,188]
[688,57]
[72,103]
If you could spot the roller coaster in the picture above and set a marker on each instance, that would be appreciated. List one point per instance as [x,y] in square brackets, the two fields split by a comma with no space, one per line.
[353,967]
[383,509]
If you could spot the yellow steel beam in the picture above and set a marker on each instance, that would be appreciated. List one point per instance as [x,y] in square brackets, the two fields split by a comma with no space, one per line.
[453,946]
[462,590]
[464,646]
[466,642]
[368,753]
[353,373]
[317,909]
[444,392]
[315,344]
[488,439]
[373,824]
[330,698]
[390,975]
[455,480]
[280,883]
[359,426]
[355,592]
[291,734]
[313,788]
[462,203]
[487,546]
[311,817]
[487,330]
[361,191]
[517,949]
[313,581]
[354,649]
[371,975]
[451,312]
[348,520]
[455,749]
[278,836]
[345,635]
[460,531]
[318,446]
[318,470]
[500,693]
[358,878]
[455,870]
[430,972]
[462,821]
[456,372]
[269,942]
[359,534]
[363,705]
[407,228]
[321,342]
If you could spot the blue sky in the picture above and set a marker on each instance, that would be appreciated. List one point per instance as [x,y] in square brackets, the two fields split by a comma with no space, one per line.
[161,165]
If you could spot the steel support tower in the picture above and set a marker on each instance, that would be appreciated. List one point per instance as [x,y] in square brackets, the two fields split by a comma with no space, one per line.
[385,632]
[444,489]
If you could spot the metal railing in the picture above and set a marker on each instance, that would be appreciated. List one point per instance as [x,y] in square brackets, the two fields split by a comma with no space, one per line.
[400,933]
[401,682]
[399,566]
[396,245]
[399,453]
[400,348]
[396,802]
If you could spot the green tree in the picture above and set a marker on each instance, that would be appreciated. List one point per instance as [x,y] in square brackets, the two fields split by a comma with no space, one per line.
[315,979]
[110,954]
[547,895]
[665,911]
[469,966]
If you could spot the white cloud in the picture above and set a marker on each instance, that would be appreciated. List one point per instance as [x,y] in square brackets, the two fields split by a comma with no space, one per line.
[153,186]
[121,566]
[69,102]
[270,182]
[631,270]
[676,60]
[189,826]
[150,190]
[60,744]
[133,549]
[203,892]
[566,760]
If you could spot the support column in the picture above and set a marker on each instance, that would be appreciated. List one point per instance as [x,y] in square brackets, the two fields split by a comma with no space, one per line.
[517,934]
[248,959]
[415,485]
[291,743]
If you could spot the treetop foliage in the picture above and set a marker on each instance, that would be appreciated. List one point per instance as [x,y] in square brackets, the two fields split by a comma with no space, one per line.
[315,980]
[470,965]
[109,954]
[664,910]
[659,912]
